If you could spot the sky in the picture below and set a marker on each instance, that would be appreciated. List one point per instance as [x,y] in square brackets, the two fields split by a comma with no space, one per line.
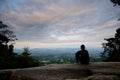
[60,23]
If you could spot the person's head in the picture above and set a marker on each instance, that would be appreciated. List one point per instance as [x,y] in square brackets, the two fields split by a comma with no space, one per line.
[83,47]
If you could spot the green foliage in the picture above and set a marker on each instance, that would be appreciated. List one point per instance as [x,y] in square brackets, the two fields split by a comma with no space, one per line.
[9,59]
[112,48]
[26,51]
[12,60]
[25,60]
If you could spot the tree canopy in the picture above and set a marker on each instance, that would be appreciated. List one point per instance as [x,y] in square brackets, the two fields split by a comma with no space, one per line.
[6,35]
[112,48]
[115,2]
[8,58]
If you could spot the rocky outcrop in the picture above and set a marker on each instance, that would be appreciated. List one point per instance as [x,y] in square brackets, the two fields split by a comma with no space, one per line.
[93,71]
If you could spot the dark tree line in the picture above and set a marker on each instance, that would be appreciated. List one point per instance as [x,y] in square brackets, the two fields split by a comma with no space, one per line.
[112,48]
[9,59]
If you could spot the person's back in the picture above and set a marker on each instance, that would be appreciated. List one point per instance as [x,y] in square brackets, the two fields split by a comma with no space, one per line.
[82,56]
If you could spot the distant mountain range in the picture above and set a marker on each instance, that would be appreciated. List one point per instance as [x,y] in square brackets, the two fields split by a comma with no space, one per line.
[37,51]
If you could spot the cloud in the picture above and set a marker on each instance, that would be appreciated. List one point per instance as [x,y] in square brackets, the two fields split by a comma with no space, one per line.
[63,21]
[55,45]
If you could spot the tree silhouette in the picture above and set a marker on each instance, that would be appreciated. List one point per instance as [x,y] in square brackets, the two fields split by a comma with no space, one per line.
[7,55]
[26,51]
[9,59]
[6,35]
[115,2]
[25,60]
[112,48]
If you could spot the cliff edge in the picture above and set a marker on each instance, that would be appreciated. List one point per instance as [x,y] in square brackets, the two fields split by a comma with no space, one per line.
[93,71]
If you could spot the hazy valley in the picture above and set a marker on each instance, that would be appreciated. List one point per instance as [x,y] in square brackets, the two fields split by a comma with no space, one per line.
[61,55]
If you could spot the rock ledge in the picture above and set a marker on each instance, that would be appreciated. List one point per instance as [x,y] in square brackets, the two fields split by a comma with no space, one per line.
[93,71]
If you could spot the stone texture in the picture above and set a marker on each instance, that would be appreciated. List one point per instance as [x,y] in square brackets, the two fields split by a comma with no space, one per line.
[103,77]
[93,71]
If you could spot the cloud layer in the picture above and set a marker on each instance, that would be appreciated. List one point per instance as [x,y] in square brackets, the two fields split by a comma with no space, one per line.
[49,22]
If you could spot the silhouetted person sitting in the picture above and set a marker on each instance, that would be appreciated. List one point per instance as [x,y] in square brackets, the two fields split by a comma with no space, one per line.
[82,56]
